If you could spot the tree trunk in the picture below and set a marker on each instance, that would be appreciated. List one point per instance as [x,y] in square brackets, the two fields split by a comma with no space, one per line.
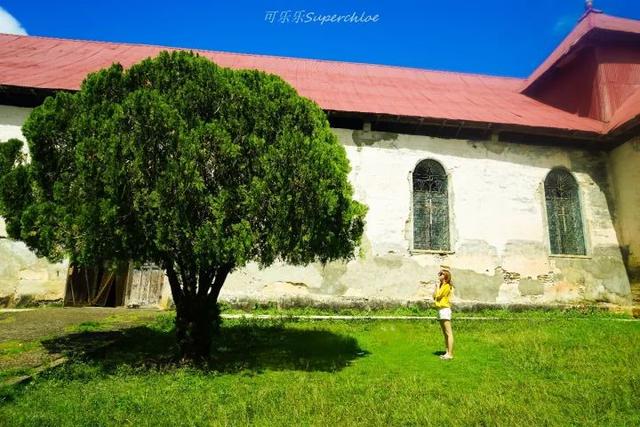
[197,320]
[197,312]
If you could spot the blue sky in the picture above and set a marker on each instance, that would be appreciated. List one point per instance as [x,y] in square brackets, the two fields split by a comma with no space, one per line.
[497,37]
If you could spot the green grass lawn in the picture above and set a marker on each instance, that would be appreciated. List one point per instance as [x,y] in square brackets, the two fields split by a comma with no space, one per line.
[579,371]
[298,308]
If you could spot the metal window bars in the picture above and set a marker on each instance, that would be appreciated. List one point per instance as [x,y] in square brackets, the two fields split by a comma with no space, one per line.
[564,216]
[430,207]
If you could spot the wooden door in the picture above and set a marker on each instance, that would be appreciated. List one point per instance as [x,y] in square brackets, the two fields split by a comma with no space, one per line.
[145,286]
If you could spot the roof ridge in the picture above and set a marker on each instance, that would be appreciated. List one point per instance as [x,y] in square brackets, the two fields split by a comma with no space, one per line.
[333,61]
[602,15]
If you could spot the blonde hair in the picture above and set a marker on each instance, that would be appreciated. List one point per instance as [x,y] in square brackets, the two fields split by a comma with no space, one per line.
[447,276]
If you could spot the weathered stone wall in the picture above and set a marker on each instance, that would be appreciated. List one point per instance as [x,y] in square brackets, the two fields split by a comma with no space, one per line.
[23,276]
[624,166]
[499,239]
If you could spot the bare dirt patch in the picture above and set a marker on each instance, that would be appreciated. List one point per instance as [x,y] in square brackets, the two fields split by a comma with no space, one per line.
[45,322]
[22,333]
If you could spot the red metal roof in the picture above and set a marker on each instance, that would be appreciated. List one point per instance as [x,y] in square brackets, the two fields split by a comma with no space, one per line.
[627,112]
[591,21]
[50,63]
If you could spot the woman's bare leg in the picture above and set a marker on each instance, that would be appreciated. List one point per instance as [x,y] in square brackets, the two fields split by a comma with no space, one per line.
[448,333]
[444,333]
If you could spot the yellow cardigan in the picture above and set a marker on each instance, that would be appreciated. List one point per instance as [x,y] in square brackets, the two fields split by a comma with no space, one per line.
[442,296]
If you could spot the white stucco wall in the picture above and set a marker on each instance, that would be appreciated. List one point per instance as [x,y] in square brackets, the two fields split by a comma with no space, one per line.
[624,166]
[23,276]
[499,238]
[499,241]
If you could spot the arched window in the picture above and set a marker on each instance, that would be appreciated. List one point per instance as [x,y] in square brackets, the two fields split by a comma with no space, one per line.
[430,207]
[563,213]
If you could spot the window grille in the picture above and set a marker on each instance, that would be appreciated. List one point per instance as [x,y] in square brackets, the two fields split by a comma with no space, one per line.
[430,207]
[563,213]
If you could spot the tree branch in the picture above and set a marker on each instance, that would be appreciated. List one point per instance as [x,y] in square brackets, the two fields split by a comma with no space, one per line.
[204,281]
[221,276]
[174,282]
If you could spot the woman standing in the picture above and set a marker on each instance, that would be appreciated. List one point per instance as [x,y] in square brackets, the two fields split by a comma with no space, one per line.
[442,297]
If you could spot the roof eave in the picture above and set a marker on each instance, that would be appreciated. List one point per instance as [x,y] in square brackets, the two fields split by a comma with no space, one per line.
[29,97]
[32,97]
[415,123]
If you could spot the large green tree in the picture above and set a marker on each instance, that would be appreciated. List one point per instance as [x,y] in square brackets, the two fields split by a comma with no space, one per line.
[195,167]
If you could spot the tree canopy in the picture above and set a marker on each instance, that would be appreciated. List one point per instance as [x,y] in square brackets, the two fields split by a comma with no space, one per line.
[180,162]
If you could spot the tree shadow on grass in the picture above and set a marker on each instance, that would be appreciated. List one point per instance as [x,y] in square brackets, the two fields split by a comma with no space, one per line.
[245,347]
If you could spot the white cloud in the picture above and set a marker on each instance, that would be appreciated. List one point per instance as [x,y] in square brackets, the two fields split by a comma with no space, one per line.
[9,24]
[565,23]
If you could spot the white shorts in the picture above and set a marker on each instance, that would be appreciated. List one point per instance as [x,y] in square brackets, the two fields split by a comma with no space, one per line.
[444,314]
